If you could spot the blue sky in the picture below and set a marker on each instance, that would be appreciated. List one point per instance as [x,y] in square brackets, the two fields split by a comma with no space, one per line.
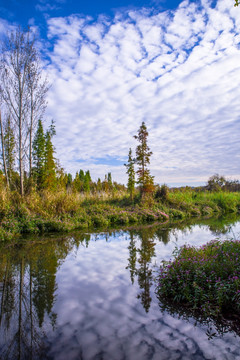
[113,64]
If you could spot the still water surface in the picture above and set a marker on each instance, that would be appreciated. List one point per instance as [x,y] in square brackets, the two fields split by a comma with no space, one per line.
[92,296]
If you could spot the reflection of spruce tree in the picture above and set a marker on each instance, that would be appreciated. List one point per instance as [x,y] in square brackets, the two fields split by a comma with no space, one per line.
[144,273]
[146,252]
[132,257]
[44,281]
[19,317]
[163,235]
[7,296]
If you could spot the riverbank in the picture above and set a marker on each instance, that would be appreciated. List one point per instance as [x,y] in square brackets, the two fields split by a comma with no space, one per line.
[47,212]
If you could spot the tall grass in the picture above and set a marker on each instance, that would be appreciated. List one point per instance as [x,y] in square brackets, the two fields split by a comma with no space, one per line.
[61,210]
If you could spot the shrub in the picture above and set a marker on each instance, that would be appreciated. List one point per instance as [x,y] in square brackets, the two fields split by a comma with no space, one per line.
[206,279]
[162,192]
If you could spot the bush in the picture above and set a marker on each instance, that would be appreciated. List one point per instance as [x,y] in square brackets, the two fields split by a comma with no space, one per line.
[206,279]
[162,192]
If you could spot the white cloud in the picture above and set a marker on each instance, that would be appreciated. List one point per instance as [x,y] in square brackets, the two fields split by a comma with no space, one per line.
[177,71]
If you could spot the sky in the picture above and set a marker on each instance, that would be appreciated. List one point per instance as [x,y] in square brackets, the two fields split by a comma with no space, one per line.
[114,64]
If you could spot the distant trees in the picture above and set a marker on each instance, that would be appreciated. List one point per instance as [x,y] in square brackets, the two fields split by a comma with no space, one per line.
[237,2]
[218,182]
[23,91]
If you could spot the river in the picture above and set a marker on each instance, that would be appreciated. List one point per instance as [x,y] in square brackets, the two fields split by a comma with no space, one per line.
[92,296]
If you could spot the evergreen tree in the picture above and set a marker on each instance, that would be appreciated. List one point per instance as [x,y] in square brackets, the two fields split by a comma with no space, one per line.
[87,181]
[81,175]
[143,153]
[69,180]
[131,174]
[109,179]
[9,144]
[39,153]
[50,178]
[99,185]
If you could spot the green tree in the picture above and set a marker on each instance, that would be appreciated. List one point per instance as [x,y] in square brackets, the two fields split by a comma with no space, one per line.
[3,150]
[50,176]
[39,154]
[9,143]
[109,179]
[69,180]
[131,174]
[143,154]
[237,2]
[216,182]
[99,184]
[22,89]
[81,175]
[87,181]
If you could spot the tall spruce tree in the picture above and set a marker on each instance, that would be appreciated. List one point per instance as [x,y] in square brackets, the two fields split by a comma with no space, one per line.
[87,181]
[143,154]
[50,176]
[3,150]
[9,144]
[131,174]
[39,153]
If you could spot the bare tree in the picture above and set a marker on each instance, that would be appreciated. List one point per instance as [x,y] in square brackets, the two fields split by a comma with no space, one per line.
[23,90]
[38,88]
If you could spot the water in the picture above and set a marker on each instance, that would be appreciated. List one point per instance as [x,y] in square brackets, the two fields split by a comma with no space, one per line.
[92,296]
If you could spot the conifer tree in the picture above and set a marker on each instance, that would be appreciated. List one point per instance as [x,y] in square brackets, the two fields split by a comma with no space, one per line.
[143,154]
[81,175]
[69,180]
[99,185]
[39,154]
[87,181]
[50,178]
[3,150]
[9,144]
[109,179]
[131,174]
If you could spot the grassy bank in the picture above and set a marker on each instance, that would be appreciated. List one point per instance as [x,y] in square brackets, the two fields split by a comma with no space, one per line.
[204,280]
[61,211]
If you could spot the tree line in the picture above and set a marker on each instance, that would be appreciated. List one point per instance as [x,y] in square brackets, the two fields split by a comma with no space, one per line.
[29,149]
[25,146]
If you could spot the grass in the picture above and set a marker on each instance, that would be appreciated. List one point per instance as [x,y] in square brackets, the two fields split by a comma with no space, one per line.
[43,212]
[204,279]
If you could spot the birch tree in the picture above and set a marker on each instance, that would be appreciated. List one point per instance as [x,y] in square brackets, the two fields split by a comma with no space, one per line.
[38,88]
[23,90]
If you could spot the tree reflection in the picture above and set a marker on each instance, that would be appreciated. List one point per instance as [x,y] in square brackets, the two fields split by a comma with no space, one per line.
[27,295]
[139,262]
[132,257]
[142,247]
